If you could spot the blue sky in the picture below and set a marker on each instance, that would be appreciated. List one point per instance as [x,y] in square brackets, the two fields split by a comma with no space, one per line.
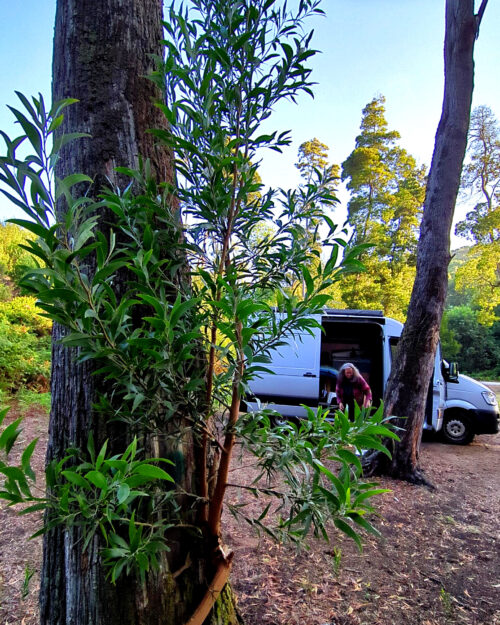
[369,47]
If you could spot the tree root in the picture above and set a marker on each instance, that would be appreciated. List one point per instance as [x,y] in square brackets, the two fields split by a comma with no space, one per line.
[377,464]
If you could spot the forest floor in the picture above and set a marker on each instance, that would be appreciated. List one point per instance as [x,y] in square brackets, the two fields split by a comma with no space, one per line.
[437,562]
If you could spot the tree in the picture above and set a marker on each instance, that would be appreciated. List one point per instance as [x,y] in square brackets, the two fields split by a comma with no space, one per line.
[387,193]
[412,368]
[313,155]
[480,274]
[134,501]
[481,176]
[477,349]
[101,57]
[313,161]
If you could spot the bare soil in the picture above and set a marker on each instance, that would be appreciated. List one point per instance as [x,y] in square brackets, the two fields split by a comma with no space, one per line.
[437,563]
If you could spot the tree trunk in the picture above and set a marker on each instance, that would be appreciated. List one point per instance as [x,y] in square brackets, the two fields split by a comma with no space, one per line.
[408,384]
[102,51]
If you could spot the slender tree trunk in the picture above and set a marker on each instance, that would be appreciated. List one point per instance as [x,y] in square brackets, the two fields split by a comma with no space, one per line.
[102,51]
[408,384]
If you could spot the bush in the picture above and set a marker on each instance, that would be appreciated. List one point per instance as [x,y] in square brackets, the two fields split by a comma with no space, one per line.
[22,311]
[24,356]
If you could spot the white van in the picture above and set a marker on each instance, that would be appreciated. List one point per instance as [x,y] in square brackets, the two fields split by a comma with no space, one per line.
[458,406]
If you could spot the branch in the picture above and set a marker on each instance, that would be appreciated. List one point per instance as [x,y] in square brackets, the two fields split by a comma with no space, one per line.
[479,16]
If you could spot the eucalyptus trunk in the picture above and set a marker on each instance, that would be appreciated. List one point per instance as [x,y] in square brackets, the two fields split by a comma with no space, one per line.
[102,53]
[408,384]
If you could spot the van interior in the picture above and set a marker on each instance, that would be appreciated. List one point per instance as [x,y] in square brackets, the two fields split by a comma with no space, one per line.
[359,342]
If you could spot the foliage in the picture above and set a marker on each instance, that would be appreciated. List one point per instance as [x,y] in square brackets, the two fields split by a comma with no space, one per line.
[481,178]
[387,193]
[27,399]
[480,274]
[98,492]
[14,259]
[479,277]
[479,348]
[450,346]
[23,311]
[157,341]
[24,346]
[319,459]
[312,164]
[313,156]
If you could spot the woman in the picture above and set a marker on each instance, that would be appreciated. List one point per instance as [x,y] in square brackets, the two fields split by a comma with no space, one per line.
[352,387]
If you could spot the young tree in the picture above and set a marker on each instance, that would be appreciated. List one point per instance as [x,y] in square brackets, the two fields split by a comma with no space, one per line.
[411,372]
[387,193]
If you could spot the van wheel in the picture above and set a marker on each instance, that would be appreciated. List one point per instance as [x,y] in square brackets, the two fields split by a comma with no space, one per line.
[457,429]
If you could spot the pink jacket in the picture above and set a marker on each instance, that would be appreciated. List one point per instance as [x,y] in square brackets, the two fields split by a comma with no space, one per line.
[360,390]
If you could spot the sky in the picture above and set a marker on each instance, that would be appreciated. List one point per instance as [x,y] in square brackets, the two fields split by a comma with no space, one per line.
[368,47]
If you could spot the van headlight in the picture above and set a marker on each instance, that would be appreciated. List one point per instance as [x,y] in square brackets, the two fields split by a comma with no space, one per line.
[489,397]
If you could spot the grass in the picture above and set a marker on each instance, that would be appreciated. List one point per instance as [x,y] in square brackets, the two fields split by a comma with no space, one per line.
[26,399]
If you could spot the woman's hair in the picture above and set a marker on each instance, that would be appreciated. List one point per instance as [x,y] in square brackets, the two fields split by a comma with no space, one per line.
[348,365]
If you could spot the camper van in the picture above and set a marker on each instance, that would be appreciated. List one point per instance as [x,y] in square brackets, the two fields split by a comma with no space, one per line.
[457,405]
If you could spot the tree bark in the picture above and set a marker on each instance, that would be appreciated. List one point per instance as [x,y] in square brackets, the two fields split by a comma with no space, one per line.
[412,369]
[102,53]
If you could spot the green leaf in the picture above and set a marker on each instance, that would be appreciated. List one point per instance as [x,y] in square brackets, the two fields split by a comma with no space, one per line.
[75,478]
[101,456]
[9,436]
[26,457]
[123,493]
[153,472]
[97,479]
[347,529]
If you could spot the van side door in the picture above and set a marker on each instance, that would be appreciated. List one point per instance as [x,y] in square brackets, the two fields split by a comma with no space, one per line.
[295,368]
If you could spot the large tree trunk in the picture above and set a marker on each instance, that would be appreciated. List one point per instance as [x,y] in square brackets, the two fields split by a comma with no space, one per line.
[102,51]
[413,366]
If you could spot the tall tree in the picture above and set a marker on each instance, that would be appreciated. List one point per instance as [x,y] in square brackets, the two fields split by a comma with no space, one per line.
[102,55]
[387,193]
[480,274]
[312,164]
[408,384]
[313,155]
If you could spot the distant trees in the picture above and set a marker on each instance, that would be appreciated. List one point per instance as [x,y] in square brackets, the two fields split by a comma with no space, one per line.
[387,193]
[475,346]
[480,274]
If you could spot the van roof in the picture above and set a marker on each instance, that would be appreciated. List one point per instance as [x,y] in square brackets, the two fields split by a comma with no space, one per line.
[347,312]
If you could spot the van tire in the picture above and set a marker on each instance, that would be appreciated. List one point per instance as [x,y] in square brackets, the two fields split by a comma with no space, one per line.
[457,428]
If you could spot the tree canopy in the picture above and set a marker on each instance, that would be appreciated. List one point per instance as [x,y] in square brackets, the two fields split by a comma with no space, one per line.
[387,193]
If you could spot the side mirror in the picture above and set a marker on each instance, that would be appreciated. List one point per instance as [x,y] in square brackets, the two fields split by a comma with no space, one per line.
[453,372]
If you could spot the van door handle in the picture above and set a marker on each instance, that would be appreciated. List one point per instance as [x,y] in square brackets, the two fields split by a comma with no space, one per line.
[309,375]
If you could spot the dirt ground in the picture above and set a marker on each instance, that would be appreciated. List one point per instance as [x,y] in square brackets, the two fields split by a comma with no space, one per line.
[437,563]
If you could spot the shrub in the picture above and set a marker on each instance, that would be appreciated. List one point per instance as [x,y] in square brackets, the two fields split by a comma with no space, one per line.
[22,311]
[24,357]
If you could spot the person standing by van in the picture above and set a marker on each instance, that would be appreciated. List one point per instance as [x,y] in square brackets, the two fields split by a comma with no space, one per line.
[352,387]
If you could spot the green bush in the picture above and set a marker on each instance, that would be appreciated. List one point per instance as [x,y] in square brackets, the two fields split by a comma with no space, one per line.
[22,311]
[24,357]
